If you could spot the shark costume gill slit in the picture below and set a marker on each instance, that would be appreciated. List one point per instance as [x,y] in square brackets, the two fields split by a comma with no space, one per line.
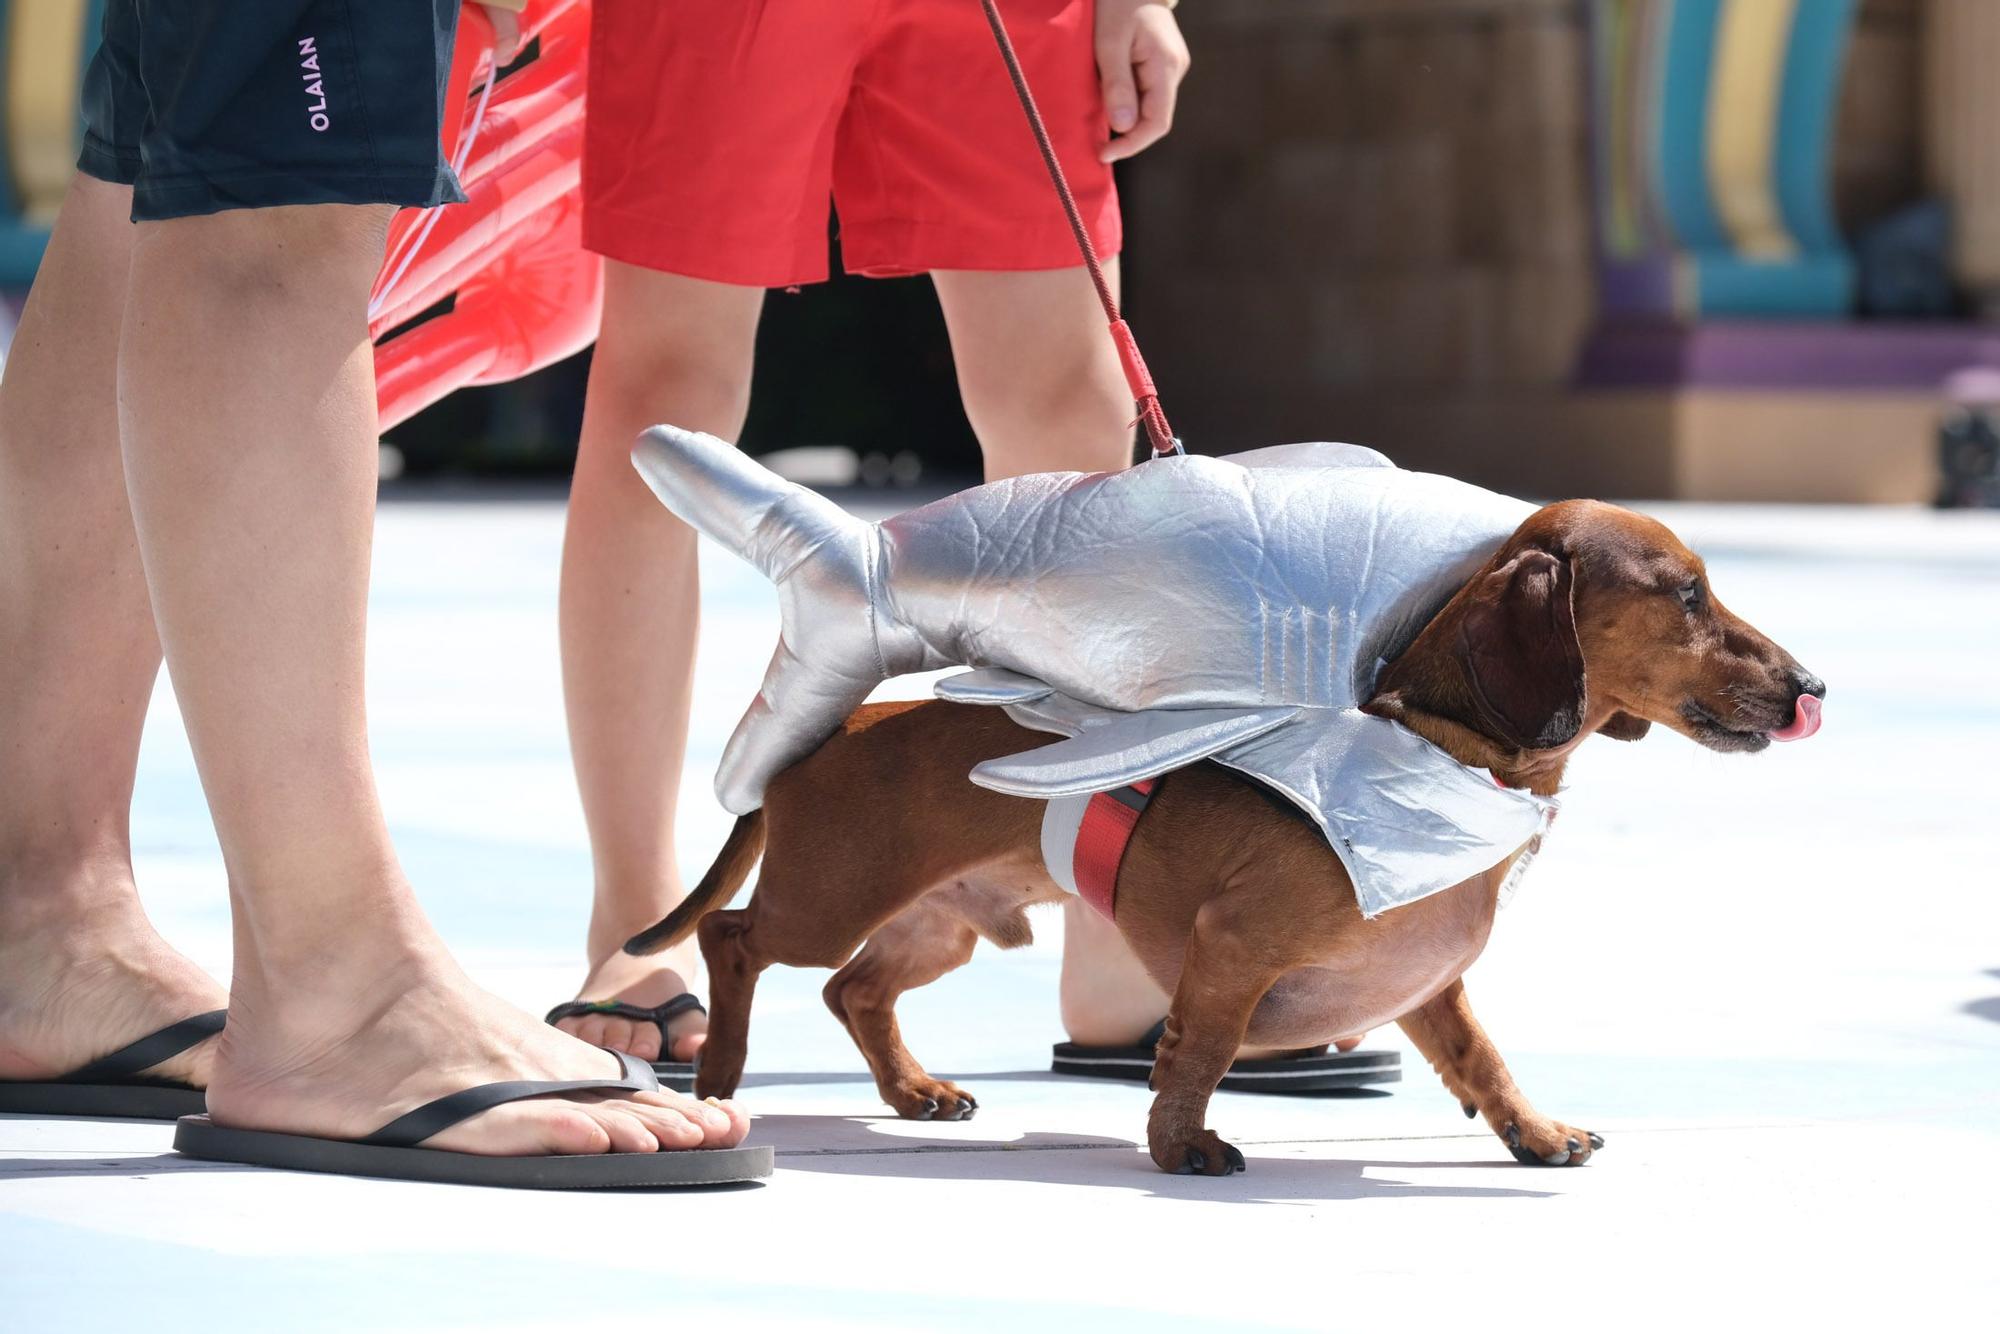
[1232,609]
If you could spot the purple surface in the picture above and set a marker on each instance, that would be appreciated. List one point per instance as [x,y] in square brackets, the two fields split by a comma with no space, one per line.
[1636,287]
[1748,354]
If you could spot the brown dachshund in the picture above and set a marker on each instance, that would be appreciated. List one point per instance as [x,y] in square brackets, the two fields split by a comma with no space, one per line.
[1589,619]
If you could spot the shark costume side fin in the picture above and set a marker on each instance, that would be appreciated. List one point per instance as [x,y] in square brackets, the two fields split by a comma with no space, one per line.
[1122,748]
[825,564]
[992,685]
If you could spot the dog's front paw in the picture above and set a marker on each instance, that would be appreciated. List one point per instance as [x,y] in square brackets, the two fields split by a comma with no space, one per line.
[931,1100]
[1202,1153]
[1540,1142]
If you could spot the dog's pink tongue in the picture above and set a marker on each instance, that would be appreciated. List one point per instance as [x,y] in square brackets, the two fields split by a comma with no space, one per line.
[1805,720]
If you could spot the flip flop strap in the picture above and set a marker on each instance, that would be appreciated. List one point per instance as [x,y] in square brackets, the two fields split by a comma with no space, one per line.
[660,1014]
[150,1050]
[414,1127]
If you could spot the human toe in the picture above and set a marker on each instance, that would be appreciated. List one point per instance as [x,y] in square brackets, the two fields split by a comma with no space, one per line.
[584,1028]
[616,1034]
[628,1131]
[640,1039]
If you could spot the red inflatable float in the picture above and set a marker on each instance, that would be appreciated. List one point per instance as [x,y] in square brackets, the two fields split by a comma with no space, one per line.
[501,282]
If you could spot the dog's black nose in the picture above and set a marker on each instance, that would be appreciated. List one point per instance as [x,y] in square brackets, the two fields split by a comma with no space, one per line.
[1805,683]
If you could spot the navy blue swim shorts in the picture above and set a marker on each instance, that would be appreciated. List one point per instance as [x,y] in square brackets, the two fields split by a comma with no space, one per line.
[206,105]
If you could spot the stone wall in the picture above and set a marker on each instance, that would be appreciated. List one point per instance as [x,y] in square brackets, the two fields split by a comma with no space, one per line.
[1877,157]
[1373,222]
[1364,196]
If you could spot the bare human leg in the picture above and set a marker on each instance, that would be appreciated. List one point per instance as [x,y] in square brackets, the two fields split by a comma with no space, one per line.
[1043,390]
[81,970]
[247,422]
[678,350]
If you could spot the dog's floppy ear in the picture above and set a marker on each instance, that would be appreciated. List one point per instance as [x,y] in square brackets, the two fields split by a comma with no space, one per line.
[1517,646]
[1622,726]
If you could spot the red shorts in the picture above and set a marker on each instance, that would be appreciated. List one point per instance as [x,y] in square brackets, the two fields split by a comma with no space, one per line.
[718,131]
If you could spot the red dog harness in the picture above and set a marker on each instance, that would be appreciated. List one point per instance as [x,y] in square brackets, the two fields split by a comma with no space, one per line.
[1084,840]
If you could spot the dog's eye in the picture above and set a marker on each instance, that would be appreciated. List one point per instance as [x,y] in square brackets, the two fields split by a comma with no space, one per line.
[1692,595]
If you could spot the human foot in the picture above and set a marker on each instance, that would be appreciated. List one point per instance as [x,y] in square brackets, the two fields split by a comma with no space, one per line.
[83,974]
[346,1061]
[644,983]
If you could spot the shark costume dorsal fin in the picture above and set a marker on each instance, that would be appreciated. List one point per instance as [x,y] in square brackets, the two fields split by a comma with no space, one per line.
[1319,454]
[1118,748]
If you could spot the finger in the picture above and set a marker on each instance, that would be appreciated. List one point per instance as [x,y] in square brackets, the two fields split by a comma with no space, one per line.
[506,35]
[1121,88]
[1159,89]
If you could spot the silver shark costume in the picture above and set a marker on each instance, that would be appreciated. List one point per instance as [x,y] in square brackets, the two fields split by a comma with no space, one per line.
[1233,609]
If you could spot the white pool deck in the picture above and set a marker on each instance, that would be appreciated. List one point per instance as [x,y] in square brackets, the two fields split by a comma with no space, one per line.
[1772,982]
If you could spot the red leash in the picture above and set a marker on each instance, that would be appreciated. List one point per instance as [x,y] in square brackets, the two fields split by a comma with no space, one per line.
[1136,375]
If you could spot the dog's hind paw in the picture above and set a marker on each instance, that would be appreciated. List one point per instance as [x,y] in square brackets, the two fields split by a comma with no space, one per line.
[931,1100]
[1550,1143]
[1202,1154]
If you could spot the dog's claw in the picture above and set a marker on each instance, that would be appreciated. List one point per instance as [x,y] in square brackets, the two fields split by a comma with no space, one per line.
[1233,1156]
[930,1109]
[1197,1161]
[1573,1146]
[1596,1140]
[1470,1110]
[1510,1135]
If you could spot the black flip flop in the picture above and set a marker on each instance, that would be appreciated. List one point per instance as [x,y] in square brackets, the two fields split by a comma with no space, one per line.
[113,1086]
[1297,1072]
[675,1075]
[393,1152]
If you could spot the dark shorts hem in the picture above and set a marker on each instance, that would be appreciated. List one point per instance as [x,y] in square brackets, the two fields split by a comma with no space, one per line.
[104,162]
[156,200]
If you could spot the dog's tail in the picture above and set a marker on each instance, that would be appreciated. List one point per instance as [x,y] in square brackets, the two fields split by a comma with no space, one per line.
[824,562]
[731,868]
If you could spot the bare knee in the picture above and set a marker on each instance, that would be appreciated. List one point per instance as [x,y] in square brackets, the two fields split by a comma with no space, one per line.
[315,257]
[637,379]
[674,349]
[1061,417]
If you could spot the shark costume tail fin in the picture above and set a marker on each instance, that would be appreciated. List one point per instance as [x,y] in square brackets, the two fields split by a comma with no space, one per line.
[726,495]
[824,563]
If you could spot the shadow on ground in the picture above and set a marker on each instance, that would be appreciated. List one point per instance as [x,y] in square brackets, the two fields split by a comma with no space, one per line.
[971,1079]
[135,1166]
[1987,1007]
[853,1146]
